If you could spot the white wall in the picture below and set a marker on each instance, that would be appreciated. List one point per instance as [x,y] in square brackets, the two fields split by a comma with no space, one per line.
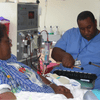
[63,13]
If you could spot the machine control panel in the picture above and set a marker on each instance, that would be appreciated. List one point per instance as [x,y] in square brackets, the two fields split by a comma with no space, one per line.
[27,16]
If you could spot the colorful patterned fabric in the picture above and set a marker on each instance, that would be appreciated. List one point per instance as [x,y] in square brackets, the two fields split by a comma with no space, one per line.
[17,80]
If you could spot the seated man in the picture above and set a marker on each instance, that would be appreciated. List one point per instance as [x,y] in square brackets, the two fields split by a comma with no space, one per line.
[80,45]
[21,77]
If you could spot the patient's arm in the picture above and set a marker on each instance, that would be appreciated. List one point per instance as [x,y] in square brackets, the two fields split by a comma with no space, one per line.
[58,89]
[7,96]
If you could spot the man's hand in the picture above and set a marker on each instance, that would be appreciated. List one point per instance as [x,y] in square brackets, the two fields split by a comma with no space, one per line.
[68,61]
[62,90]
[60,55]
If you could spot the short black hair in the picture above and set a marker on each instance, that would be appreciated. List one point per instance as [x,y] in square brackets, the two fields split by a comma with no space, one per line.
[85,14]
[3,30]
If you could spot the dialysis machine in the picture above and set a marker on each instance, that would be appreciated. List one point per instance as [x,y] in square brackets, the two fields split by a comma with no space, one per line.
[23,29]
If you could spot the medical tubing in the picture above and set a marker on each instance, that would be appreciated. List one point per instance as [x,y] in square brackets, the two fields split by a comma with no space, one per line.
[11,81]
[47,48]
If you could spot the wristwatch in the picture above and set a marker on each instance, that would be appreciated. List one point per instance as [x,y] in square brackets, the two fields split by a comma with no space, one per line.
[50,84]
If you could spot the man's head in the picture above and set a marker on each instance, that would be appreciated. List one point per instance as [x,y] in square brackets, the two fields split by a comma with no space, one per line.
[87,24]
[5,44]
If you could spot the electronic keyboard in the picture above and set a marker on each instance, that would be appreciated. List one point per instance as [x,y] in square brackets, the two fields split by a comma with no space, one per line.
[77,75]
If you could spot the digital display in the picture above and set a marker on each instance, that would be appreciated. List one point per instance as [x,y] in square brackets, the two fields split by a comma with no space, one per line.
[31,15]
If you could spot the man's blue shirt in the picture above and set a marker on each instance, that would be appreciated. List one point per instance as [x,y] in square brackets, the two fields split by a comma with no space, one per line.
[89,51]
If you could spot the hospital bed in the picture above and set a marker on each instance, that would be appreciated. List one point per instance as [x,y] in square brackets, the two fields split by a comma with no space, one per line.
[73,85]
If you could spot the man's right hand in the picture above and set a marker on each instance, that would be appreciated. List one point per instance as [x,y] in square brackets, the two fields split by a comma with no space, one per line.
[68,61]
[60,55]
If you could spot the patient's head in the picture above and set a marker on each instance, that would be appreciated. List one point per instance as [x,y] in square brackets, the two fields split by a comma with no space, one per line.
[5,43]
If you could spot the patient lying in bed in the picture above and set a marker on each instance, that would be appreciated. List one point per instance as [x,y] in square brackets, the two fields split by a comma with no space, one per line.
[71,84]
[28,80]
[21,77]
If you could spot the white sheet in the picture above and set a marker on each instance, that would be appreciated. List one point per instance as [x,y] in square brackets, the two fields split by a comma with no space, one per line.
[74,87]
